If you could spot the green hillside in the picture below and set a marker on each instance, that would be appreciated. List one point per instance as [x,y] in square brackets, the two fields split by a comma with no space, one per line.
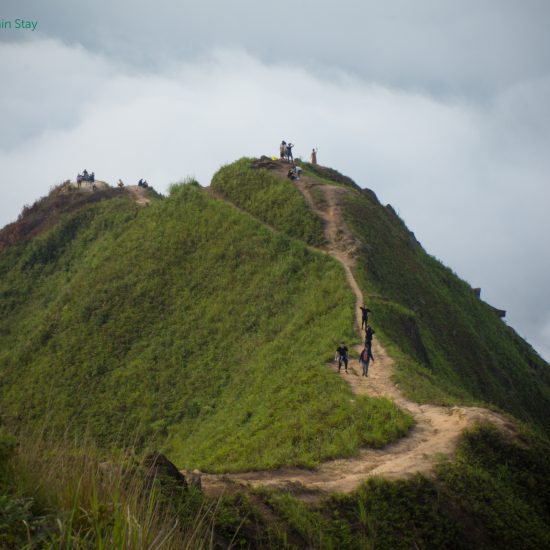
[452,346]
[185,325]
[194,327]
[449,345]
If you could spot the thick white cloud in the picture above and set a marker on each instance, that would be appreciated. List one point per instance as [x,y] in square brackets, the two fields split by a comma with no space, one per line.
[446,46]
[470,178]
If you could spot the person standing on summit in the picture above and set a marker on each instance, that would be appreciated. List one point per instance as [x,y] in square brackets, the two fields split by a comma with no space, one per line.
[289,147]
[314,156]
[282,149]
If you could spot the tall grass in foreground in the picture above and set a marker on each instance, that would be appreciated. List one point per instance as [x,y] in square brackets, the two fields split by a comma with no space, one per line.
[64,496]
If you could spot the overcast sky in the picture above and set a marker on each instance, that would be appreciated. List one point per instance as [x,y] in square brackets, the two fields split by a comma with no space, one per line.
[442,108]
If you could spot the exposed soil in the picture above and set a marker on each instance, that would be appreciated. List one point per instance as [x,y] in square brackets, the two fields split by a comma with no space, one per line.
[139,194]
[436,431]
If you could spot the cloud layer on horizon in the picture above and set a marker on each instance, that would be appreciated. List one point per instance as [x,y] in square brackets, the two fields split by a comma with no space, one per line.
[470,178]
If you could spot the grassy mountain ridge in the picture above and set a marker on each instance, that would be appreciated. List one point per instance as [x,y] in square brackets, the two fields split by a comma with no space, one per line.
[184,324]
[190,325]
[450,346]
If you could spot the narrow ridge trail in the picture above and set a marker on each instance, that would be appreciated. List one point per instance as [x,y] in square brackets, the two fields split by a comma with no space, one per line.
[436,431]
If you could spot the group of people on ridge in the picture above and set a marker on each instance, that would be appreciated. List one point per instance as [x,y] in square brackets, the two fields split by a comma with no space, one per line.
[285,152]
[90,178]
[366,356]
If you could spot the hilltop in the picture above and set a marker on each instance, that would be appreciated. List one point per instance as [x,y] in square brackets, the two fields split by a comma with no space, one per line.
[204,323]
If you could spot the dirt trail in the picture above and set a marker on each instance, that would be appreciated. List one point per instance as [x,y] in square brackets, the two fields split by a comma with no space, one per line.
[139,194]
[436,431]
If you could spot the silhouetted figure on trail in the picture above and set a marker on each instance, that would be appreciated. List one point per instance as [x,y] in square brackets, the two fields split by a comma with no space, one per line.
[369,334]
[314,157]
[289,156]
[364,316]
[79,179]
[342,356]
[282,149]
[120,183]
[365,358]
[91,179]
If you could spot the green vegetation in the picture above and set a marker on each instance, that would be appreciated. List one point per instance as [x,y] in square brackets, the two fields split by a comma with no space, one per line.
[185,325]
[191,327]
[272,199]
[64,494]
[452,346]
[494,494]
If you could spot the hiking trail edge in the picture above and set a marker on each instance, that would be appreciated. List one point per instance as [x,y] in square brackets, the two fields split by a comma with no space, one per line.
[435,433]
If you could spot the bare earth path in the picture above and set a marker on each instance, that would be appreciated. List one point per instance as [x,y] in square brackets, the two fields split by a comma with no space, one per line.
[436,431]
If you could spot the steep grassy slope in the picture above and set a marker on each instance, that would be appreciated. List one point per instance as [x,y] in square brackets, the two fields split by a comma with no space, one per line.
[450,346]
[270,198]
[453,347]
[185,323]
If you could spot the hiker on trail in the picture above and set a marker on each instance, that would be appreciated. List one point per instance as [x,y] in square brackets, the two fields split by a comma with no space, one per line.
[85,175]
[289,156]
[365,358]
[94,187]
[369,334]
[365,316]
[145,184]
[342,356]
[91,179]
[79,178]
[298,171]
[120,183]
[291,174]
[314,156]
[140,183]
[282,150]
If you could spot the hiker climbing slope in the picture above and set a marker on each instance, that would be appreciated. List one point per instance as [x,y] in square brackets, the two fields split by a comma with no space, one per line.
[364,316]
[342,356]
[369,334]
[365,358]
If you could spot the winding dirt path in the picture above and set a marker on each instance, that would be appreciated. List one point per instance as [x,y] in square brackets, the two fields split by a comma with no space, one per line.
[436,431]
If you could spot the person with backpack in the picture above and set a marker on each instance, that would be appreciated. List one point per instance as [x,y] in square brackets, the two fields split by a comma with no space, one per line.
[364,316]
[365,358]
[342,356]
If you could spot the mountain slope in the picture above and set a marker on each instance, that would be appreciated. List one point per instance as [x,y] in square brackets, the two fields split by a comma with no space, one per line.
[186,324]
[450,346]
